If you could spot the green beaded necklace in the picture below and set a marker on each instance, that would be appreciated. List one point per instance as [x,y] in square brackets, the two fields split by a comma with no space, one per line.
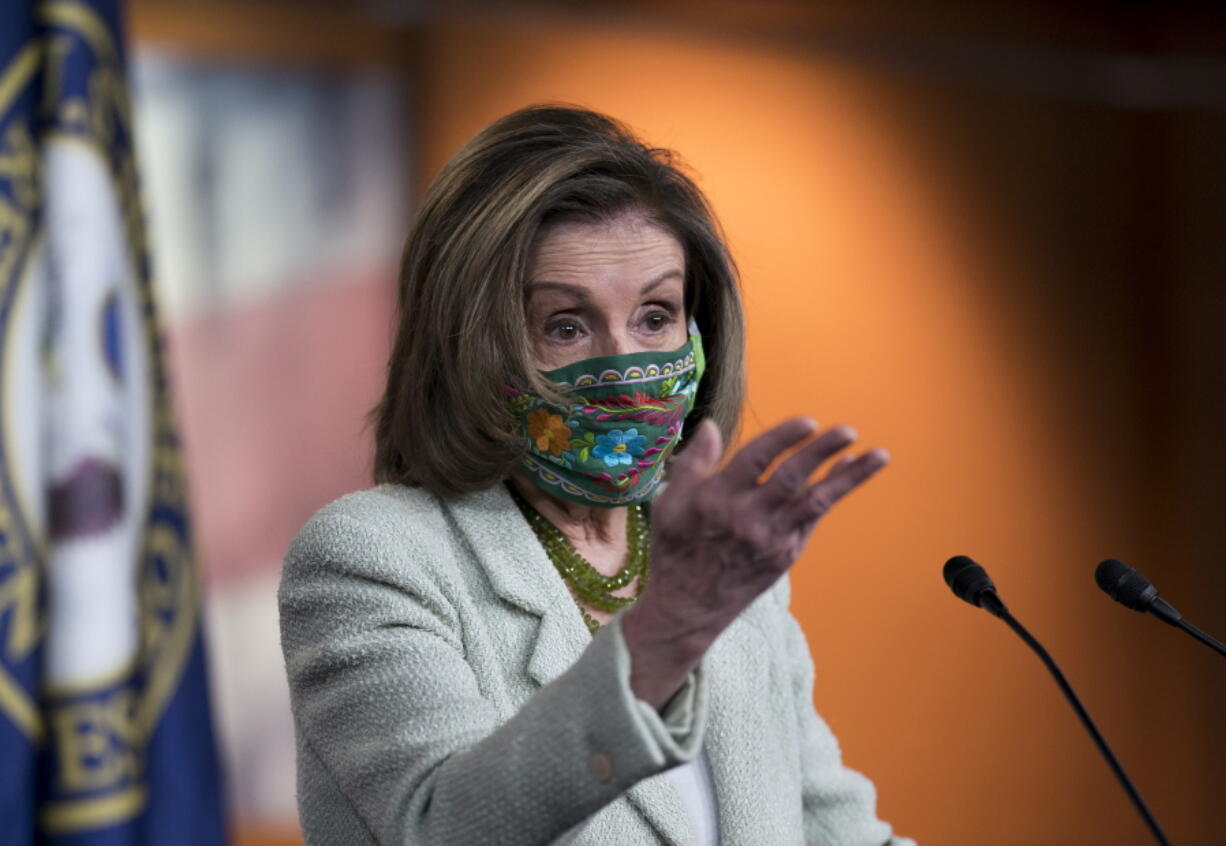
[587,584]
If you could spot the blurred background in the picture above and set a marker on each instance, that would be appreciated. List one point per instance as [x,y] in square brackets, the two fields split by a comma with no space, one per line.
[989,235]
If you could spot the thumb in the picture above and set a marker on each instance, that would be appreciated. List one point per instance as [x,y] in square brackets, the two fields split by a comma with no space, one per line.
[700,456]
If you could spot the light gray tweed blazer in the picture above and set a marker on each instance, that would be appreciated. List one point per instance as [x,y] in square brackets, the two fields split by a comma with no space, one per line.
[446,691]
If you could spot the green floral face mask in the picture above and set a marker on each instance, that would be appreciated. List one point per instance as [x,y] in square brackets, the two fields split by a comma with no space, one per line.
[606,446]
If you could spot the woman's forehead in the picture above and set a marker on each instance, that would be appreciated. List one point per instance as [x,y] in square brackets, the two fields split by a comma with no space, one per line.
[627,252]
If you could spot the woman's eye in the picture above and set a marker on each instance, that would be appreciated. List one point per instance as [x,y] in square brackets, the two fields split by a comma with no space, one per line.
[658,320]
[563,330]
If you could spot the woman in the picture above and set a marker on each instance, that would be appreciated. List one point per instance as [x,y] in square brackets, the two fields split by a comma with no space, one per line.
[524,634]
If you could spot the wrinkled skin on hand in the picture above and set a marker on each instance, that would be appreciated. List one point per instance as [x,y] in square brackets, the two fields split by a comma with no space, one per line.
[721,537]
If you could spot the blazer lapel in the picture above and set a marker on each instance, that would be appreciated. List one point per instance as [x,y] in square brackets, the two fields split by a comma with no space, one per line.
[734,740]
[522,574]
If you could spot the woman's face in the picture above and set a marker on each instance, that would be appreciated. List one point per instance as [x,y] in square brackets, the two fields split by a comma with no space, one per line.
[605,289]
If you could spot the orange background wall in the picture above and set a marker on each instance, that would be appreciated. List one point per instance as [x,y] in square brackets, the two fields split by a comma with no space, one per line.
[1016,293]
[894,280]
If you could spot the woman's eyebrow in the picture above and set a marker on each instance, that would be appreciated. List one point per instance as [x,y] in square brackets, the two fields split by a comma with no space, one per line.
[582,292]
[662,278]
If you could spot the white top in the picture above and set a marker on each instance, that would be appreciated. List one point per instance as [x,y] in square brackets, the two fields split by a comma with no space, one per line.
[693,781]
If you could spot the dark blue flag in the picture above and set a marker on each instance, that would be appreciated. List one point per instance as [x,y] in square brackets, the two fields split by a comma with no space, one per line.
[105,730]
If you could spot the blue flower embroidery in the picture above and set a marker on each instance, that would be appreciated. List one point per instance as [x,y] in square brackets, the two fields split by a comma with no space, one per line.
[619,447]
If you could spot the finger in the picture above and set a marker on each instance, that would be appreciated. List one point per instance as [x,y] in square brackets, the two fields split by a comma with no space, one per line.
[841,462]
[700,456]
[839,482]
[751,460]
[792,474]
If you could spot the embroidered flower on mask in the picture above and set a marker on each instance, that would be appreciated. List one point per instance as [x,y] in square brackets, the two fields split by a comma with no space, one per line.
[618,447]
[549,431]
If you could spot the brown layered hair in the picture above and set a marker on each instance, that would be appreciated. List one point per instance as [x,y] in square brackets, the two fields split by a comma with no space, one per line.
[462,334]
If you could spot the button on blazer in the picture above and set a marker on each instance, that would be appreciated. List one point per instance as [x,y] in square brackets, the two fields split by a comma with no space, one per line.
[445,690]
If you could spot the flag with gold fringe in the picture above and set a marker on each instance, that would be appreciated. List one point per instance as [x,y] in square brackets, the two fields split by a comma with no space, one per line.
[105,728]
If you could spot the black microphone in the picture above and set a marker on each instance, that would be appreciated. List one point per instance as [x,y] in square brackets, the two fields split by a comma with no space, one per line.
[971,583]
[1128,587]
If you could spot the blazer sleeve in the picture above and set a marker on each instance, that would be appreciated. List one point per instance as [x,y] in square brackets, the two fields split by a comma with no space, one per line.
[839,804]
[383,698]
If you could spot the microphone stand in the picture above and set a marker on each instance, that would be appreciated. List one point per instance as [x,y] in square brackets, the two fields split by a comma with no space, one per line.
[1201,636]
[1084,716]
[971,583]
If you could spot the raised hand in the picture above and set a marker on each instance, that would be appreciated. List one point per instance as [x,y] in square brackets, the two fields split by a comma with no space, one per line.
[722,537]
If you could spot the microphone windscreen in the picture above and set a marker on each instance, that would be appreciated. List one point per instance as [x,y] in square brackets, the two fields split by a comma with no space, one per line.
[967,579]
[1124,584]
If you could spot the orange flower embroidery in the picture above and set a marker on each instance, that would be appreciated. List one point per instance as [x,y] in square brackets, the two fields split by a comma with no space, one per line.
[549,431]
